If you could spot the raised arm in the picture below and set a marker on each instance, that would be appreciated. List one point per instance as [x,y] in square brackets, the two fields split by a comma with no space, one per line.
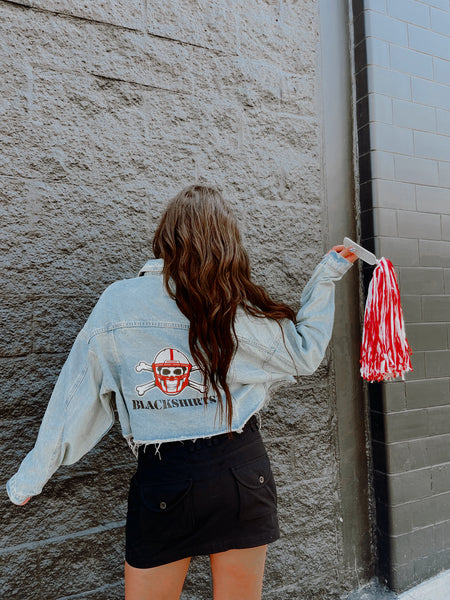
[302,345]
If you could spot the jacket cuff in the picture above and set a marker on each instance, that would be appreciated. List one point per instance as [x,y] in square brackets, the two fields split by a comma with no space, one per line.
[337,263]
[13,496]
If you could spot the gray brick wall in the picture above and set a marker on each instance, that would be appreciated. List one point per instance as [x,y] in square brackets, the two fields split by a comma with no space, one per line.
[402,56]
[107,110]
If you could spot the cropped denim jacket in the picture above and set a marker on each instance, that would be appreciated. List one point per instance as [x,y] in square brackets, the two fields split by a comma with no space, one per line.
[134,346]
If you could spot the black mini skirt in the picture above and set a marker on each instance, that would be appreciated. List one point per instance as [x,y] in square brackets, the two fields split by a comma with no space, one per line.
[200,497]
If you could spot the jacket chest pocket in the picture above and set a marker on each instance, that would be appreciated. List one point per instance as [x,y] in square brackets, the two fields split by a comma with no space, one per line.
[257,489]
[166,510]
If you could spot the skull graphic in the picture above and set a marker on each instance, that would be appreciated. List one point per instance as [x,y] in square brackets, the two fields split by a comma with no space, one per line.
[172,370]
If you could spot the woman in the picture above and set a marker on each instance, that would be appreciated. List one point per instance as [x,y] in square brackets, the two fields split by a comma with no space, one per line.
[189,350]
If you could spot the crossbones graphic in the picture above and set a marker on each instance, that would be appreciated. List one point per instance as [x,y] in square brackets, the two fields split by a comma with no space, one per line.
[172,370]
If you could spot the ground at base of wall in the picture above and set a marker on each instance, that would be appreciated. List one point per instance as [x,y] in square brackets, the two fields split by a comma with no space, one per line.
[374,590]
[436,588]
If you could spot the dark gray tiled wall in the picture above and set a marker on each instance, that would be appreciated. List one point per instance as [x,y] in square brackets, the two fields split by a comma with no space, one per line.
[404,134]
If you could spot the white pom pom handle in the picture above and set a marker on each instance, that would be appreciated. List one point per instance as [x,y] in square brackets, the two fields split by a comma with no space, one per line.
[360,252]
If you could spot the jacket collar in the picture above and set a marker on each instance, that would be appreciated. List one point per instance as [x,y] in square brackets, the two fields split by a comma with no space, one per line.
[152,266]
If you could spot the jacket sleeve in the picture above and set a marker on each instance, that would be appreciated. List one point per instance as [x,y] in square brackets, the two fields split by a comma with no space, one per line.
[301,346]
[77,416]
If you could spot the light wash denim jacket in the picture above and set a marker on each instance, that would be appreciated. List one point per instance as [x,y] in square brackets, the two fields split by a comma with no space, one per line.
[135,344]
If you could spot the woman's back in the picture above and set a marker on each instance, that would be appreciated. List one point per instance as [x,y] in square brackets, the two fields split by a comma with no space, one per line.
[140,338]
[187,351]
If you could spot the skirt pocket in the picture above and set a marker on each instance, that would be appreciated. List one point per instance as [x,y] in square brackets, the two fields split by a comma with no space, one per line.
[166,510]
[257,489]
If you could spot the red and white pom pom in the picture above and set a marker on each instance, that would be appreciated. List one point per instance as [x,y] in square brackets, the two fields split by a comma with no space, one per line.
[385,350]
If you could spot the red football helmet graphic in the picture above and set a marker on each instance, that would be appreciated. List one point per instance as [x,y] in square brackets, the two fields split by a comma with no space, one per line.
[171,369]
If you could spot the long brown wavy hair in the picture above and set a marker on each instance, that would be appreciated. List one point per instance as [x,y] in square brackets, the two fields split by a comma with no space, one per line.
[199,241]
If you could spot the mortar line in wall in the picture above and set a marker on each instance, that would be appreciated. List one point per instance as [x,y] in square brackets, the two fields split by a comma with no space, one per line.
[138,83]
[103,588]
[293,486]
[425,130]
[18,176]
[400,20]
[70,16]
[426,267]
[35,296]
[407,99]
[282,588]
[412,410]
[413,531]
[62,538]
[431,496]
[405,127]
[426,468]
[186,43]
[24,297]
[18,354]
[424,322]
[36,355]
[284,438]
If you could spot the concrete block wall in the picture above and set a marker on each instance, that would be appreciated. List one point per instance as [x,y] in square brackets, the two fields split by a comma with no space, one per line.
[107,110]
[402,57]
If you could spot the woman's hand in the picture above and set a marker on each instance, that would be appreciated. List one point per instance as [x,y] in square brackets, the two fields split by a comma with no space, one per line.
[345,253]
[25,501]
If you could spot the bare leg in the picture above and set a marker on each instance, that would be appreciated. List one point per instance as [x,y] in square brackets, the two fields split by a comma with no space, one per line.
[158,583]
[238,573]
